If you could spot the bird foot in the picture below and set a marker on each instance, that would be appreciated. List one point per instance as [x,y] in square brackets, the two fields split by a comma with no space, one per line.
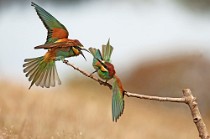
[65,61]
[93,72]
[100,82]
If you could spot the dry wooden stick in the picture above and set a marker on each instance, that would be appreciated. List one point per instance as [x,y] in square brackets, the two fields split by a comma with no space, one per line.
[190,100]
[88,75]
[187,98]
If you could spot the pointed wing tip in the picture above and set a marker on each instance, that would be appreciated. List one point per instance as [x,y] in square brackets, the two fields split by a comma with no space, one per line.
[118,103]
[33,4]
[30,87]
[90,48]
[37,47]
[108,42]
[115,119]
[26,60]
[44,46]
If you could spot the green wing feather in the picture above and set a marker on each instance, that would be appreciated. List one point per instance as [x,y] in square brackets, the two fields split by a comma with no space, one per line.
[107,52]
[41,73]
[96,55]
[117,99]
[56,30]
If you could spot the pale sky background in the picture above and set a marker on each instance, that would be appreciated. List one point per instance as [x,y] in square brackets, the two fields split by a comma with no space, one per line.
[139,31]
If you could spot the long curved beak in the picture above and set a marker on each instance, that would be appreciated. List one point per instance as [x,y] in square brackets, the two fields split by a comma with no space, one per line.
[85,50]
[83,54]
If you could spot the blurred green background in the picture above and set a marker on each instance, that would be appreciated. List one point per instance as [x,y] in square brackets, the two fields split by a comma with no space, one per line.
[160,48]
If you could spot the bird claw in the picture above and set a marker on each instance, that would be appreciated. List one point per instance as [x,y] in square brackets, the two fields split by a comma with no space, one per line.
[100,82]
[93,72]
[65,61]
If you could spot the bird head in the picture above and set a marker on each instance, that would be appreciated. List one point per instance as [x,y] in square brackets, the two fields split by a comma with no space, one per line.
[107,67]
[78,47]
[77,43]
[78,50]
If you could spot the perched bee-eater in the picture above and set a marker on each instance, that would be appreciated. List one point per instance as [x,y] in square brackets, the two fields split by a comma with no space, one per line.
[42,71]
[104,68]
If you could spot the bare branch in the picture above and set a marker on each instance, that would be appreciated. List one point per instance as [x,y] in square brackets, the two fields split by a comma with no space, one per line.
[187,98]
[89,75]
[180,100]
[196,115]
[157,98]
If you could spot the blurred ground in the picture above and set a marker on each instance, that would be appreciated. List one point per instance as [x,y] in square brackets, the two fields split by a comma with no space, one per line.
[81,109]
[71,113]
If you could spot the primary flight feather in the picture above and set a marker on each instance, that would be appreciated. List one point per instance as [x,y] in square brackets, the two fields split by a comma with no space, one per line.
[42,71]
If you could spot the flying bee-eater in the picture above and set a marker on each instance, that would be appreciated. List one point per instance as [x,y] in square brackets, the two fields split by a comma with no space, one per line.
[104,68]
[42,71]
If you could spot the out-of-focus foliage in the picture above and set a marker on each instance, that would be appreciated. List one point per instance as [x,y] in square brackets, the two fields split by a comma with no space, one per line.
[168,76]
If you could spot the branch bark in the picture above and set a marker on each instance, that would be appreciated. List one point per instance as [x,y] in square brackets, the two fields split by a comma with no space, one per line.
[187,98]
[190,100]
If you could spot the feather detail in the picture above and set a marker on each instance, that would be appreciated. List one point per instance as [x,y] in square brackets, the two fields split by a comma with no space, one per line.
[56,30]
[117,99]
[107,52]
[96,55]
[41,72]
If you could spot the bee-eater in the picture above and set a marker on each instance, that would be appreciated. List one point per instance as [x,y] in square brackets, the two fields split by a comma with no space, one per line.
[42,71]
[104,68]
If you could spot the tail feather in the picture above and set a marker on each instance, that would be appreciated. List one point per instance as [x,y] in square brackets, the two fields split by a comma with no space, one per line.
[117,99]
[31,63]
[40,72]
[37,75]
[43,80]
[33,73]
[48,78]
[30,69]
[107,52]
[47,83]
[53,77]
[30,60]
[42,77]
[56,75]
